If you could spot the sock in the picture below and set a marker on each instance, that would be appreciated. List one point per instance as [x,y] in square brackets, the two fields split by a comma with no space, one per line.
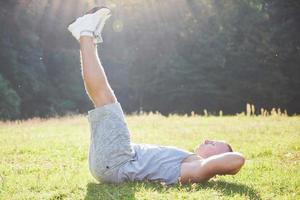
[87,33]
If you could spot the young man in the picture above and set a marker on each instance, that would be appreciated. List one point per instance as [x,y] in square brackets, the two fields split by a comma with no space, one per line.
[112,157]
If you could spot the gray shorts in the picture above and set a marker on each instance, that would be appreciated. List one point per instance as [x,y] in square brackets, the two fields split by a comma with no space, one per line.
[112,158]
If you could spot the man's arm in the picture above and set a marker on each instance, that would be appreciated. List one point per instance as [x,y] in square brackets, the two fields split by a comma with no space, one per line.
[204,169]
[226,163]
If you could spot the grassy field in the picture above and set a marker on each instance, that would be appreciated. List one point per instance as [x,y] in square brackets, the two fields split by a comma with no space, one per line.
[47,159]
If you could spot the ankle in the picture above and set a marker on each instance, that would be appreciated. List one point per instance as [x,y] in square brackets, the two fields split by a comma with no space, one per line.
[86,38]
[86,42]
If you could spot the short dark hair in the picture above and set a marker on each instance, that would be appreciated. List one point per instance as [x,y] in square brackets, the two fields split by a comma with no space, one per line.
[230,148]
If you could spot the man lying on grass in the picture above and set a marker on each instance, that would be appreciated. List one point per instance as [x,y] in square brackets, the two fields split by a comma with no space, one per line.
[112,157]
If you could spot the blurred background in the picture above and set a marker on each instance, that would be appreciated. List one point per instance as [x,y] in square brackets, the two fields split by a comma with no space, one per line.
[171,56]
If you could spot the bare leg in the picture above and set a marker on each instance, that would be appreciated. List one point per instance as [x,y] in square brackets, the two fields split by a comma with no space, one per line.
[95,80]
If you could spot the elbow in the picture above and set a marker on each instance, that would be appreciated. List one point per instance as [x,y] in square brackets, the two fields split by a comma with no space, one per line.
[239,162]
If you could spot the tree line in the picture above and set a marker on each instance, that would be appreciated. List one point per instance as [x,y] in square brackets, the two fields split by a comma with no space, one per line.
[169,56]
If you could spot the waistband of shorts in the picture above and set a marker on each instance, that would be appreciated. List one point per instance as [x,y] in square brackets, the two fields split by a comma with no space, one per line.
[100,112]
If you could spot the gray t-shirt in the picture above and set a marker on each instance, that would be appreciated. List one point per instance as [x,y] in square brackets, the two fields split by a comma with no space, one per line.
[153,162]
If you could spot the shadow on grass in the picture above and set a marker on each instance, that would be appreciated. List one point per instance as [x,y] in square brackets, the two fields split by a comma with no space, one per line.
[127,190]
[106,191]
[227,189]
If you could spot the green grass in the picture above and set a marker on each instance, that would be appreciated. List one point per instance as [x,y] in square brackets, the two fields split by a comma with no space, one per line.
[47,159]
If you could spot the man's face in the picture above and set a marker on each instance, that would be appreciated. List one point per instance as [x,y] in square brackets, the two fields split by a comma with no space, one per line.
[211,147]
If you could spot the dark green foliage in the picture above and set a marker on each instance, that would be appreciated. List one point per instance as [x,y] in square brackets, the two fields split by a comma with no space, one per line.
[171,56]
[10,101]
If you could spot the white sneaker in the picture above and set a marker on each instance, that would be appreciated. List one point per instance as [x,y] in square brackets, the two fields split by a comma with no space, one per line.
[89,23]
[98,31]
